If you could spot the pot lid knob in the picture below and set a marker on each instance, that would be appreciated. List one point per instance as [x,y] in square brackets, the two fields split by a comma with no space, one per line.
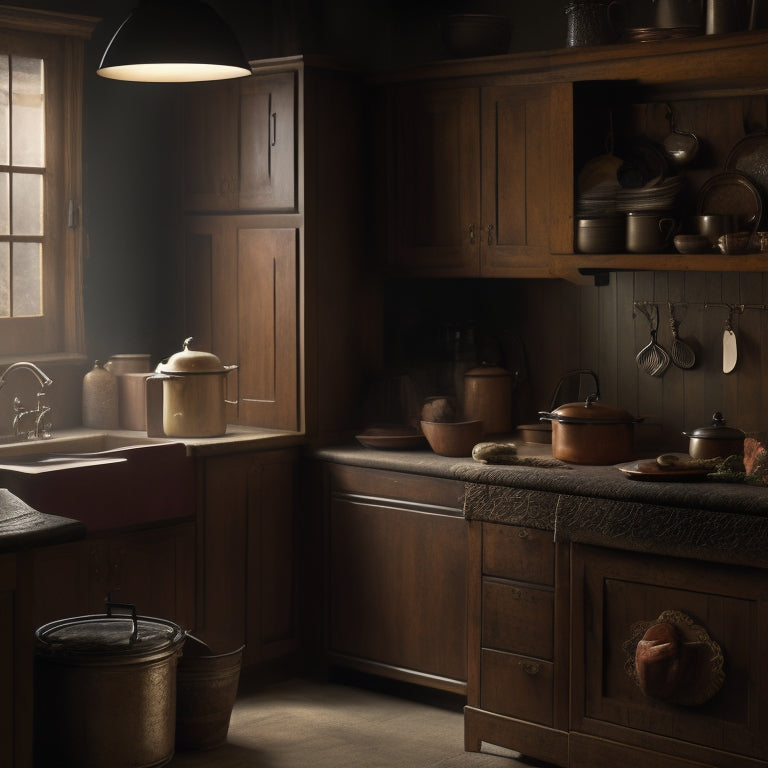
[191,361]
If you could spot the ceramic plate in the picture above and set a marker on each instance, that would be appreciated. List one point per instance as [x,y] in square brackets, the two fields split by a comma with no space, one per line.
[648,469]
[750,156]
[394,438]
[732,193]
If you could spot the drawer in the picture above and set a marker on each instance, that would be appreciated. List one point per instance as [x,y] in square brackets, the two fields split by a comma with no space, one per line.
[518,619]
[522,554]
[517,686]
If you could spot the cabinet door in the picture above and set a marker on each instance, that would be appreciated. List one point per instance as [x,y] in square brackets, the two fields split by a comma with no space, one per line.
[515,236]
[210,146]
[268,143]
[397,587]
[241,303]
[434,195]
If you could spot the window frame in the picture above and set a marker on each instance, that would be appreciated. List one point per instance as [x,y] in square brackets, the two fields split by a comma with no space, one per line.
[59,40]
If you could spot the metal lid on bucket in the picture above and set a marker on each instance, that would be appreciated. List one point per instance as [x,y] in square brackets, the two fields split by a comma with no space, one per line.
[108,634]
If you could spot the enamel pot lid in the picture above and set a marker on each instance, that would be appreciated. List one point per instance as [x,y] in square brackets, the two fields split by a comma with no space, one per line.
[717,430]
[193,361]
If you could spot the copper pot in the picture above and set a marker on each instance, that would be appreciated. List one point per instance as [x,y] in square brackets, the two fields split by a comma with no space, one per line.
[194,389]
[591,433]
[716,440]
[488,397]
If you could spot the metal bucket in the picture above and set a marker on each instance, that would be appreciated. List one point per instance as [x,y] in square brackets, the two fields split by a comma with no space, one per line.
[105,691]
[206,688]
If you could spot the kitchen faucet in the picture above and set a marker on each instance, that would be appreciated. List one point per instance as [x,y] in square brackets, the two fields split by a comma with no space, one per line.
[21,414]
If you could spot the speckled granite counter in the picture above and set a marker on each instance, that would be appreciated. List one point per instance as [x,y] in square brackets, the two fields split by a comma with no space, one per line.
[596,505]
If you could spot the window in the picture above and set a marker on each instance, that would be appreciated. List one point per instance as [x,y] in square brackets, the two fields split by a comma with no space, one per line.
[41,70]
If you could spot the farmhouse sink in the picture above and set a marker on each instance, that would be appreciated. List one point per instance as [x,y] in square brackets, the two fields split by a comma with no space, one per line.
[103,480]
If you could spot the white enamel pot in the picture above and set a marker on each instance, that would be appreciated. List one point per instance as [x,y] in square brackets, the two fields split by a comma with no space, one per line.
[194,394]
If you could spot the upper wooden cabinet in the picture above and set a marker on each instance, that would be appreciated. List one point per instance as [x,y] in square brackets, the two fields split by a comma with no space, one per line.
[481,157]
[470,180]
[240,144]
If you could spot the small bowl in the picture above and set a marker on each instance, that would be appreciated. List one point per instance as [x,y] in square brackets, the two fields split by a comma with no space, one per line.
[692,243]
[453,438]
[734,242]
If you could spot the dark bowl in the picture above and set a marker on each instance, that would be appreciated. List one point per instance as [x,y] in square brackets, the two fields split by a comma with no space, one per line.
[468,35]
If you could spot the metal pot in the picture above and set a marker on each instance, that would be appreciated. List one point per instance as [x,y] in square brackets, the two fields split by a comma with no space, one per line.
[590,432]
[194,393]
[715,441]
[118,671]
[488,397]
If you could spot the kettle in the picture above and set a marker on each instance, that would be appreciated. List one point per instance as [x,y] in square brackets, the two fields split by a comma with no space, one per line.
[488,396]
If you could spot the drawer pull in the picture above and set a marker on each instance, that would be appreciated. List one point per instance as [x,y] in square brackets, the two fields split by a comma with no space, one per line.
[530,667]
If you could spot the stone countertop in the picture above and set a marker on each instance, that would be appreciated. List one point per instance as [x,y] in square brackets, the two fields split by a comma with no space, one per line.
[22,527]
[596,504]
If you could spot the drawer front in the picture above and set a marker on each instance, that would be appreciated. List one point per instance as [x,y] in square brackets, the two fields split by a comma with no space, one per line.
[517,686]
[518,619]
[522,554]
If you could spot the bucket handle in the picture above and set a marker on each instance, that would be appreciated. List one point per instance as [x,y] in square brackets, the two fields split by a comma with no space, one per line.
[131,609]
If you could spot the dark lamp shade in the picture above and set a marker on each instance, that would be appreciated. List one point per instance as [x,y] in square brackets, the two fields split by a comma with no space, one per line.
[173,41]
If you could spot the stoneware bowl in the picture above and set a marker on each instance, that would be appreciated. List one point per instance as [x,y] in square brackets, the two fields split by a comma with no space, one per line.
[692,244]
[453,438]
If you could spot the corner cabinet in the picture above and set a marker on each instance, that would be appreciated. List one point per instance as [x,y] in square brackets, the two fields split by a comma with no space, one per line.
[480,157]
[470,176]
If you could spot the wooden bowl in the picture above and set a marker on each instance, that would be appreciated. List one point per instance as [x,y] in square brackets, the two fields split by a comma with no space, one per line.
[453,438]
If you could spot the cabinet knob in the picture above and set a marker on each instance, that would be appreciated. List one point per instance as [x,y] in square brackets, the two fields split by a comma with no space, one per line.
[530,667]
[471,234]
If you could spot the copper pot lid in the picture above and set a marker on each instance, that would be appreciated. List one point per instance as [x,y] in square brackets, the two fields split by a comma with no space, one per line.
[192,361]
[110,634]
[488,371]
[717,430]
[588,412]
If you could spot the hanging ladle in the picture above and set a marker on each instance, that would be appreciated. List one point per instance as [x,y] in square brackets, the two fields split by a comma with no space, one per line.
[680,146]
[653,359]
[682,355]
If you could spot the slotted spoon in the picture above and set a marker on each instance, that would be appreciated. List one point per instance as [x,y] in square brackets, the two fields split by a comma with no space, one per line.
[653,359]
[682,355]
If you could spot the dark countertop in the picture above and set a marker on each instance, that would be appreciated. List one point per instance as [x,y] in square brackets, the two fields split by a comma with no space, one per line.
[596,504]
[22,527]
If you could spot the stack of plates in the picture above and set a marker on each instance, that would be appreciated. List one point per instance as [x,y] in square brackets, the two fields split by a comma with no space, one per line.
[654,196]
[598,201]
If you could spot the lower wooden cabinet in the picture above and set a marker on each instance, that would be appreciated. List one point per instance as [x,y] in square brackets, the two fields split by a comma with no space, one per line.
[518,643]
[7,589]
[396,568]
[247,560]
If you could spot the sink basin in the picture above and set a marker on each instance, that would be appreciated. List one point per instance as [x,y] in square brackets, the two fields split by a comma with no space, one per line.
[103,480]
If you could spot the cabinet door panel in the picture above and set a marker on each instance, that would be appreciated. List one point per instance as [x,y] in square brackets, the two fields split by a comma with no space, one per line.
[435,195]
[268,143]
[267,300]
[518,619]
[210,146]
[523,554]
[516,180]
[517,686]
[398,587]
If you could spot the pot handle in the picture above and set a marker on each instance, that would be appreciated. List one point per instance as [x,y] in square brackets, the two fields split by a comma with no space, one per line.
[229,369]
[568,375]
[131,609]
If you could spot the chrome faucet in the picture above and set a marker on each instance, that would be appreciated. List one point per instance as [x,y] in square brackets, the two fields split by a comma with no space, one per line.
[22,415]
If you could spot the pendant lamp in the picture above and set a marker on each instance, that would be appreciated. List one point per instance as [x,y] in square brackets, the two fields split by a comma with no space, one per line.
[173,41]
